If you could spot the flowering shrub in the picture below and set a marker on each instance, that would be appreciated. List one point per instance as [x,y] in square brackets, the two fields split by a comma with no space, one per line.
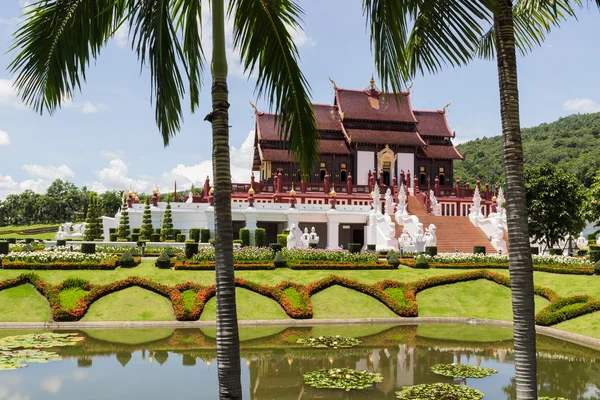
[58,259]
[340,256]
[187,265]
[241,254]
[553,264]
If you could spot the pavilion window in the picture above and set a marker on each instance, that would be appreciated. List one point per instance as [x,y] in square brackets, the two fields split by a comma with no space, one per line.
[323,166]
[299,176]
[422,176]
[442,177]
[343,172]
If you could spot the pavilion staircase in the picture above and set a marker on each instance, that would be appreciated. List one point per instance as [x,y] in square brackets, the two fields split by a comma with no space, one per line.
[452,232]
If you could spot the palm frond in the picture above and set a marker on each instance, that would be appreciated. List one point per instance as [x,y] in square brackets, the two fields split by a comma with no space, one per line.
[188,14]
[262,33]
[156,43]
[55,43]
[415,36]
[533,20]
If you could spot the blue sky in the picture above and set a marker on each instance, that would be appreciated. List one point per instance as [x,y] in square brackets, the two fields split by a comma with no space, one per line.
[106,138]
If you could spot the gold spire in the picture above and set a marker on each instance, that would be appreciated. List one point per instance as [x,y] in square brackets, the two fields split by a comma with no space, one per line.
[251,191]
[332,193]
[256,112]
[156,191]
[446,108]
[292,191]
[333,82]
[372,83]
[211,191]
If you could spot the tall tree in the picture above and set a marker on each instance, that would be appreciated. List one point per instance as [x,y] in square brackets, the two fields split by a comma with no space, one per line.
[58,38]
[593,201]
[93,227]
[124,230]
[167,224]
[415,36]
[147,229]
[555,204]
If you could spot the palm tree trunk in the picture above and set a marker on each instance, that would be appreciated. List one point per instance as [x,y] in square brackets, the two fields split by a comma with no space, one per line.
[521,268]
[228,342]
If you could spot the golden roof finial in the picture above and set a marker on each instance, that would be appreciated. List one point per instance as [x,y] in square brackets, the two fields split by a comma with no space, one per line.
[251,191]
[410,87]
[446,108]
[292,191]
[332,193]
[372,83]
[211,191]
[333,82]
[256,112]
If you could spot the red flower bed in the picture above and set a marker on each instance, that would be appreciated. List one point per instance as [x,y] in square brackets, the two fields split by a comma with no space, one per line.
[187,265]
[554,269]
[322,265]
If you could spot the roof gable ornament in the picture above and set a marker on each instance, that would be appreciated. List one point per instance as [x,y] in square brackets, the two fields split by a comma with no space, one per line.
[256,112]
[333,83]
[446,108]
[410,87]
[372,82]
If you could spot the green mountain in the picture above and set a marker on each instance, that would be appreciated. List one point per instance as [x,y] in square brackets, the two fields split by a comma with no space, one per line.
[572,142]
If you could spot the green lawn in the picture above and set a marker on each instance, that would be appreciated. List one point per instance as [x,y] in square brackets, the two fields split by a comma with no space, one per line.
[23,304]
[339,302]
[16,228]
[16,235]
[250,306]
[475,299]
[132,304]
[478,299]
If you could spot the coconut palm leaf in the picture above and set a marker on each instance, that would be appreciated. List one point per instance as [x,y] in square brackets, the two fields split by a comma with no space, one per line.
[54,45]
[156,43]
[188,17]
[262,32]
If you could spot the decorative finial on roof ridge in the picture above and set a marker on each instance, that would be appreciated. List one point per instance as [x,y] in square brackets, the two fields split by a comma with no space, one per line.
[372,82]
[333,82]
[446,107]
[410,87]
[256,112]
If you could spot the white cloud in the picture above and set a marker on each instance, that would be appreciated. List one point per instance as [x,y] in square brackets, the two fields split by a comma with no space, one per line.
[80,375]
[122,35]
[582,105]
[112,154]
[49,172]
[301,38]
[4,138]
[115,176]
[89,108]
[8,95]
[52,384]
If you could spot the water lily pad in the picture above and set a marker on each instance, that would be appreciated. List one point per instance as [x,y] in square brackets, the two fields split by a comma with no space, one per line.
[462,371]
[19,351]
[40,341]
[332,342]
[341,378]
[439,391]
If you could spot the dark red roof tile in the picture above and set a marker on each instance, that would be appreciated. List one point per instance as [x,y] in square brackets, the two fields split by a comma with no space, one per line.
[361,105]
[328,118]
[433,123]
[385,137]
[325,147]
[440,152]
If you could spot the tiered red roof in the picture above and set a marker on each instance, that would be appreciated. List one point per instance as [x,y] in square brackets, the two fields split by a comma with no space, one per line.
[414,128]
[433,124]
[374,106]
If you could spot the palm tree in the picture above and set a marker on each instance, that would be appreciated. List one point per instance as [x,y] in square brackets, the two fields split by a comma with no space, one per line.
[58,39]
[415,36]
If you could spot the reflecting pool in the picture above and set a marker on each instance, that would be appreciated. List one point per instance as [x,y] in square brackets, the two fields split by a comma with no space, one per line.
[181,363]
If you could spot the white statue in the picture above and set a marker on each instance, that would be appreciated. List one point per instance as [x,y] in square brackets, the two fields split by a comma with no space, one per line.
[305,238]
[582,242]
[430,236]
[389,203]
[313,238]
[294,237]
[60,234]
[419,239]
[376,200]
[500,200]
[190,198]
[432,199]
[405,239]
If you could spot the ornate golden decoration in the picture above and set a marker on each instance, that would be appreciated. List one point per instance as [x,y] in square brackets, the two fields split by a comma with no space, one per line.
[446,107]
[333,82]
[256,112]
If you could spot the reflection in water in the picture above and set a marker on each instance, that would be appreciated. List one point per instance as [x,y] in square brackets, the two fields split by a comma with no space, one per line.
[273,365]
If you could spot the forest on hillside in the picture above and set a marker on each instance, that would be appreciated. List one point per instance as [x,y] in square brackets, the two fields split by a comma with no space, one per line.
[572,143]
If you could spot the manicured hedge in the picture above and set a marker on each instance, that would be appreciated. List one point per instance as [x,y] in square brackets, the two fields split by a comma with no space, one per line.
[204,235]
[195,234]
[180,265]
[320,265]
[259,237]
[88,248]
[104,265]
[478,249]
[245,236]
[567,269]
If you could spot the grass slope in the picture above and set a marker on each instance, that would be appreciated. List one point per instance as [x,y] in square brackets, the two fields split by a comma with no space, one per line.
[132,304]
[23,304]
[588,325]
[340,302]
[250,305]
[476,299]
